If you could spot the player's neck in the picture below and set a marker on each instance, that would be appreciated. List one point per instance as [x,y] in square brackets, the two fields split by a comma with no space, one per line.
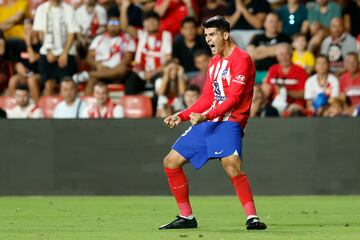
[229,46]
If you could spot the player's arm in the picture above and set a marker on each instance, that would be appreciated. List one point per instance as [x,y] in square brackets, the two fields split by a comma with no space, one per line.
[239,79]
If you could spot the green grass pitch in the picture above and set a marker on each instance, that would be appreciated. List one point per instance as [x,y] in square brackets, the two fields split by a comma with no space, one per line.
[126,218]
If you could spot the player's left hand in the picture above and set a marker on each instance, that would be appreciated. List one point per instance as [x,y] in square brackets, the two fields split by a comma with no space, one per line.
[196,118]
[172,121]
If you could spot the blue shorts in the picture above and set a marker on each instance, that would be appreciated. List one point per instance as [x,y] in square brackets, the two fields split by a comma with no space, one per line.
[208,140]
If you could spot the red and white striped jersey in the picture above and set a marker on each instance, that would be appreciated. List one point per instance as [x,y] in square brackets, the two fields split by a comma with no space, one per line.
[152,50]
[228,90]
[110,51]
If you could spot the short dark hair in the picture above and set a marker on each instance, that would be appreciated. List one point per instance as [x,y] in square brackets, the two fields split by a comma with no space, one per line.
[218,22]
[101,84]
[323,56]
[22,86]
[354,54]
[68,79]
[201,52]
[188,19]
[151,14]
[193,88]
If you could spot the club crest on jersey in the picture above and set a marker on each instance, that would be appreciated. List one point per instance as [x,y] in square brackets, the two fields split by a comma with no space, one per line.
[239,79]
[217,92]
[224,73]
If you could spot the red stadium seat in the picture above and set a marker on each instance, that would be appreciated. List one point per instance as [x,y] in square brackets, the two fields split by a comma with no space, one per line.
[7,102]
[48,104]
[137,106]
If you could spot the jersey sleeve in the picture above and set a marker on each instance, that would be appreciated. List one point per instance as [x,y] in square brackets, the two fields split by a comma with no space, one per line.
[203,103]
[242,76]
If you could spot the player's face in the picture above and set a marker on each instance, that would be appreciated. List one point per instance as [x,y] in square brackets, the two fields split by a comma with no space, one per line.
[101,95]
[22,98]
[214,39]
[321,66]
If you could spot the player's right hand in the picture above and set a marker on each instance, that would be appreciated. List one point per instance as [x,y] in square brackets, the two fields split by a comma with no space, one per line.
[172,121]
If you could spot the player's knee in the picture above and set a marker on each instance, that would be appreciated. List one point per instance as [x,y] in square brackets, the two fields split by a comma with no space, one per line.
[172,160]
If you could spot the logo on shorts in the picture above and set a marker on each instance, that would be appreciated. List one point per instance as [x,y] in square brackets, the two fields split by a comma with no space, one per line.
[220,152]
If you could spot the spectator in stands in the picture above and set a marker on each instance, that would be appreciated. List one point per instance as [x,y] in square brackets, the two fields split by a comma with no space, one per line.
[337,45]
[23,108]
[170,88]
[192,93]
[246,19]
[55,20]
[3,64]
[202,59]
[187,44]
[212,8]
[103,106]
[91,18]
[110,54]
[284,84]
[12,14]
[321,86]
[172,12]
[72,106]
[293,18]
[301,56]
[319,18]
[350,80]
[352,18]
[130,16]
[261,106]
[262,47]
[335,108]
[27,68]
[154,48]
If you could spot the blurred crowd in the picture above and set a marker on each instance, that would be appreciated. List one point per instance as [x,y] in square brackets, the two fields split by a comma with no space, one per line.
[77,53]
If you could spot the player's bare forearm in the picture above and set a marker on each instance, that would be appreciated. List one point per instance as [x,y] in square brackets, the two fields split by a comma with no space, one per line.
[196,118]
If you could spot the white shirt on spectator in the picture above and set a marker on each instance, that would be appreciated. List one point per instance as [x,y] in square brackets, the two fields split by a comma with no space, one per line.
[84,18]
[55,23]
[313,88]
[31,112]
[62,110]
[111,50]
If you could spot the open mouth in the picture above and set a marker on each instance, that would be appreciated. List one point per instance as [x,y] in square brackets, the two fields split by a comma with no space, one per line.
[212,47]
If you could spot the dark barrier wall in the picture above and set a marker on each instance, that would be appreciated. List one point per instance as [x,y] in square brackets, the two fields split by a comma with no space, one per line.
[281,156]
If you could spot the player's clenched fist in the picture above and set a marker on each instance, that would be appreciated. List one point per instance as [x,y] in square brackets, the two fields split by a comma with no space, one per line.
[196,118]
[172,121]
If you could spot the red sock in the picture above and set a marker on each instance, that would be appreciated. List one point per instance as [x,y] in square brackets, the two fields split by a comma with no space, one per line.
[180,189]
[243,191]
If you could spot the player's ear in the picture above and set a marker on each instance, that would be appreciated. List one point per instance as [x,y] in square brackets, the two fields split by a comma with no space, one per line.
[226,36]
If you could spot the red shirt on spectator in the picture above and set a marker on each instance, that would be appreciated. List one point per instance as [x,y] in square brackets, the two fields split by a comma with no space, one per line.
[293,80]
[174,14]
[351,87]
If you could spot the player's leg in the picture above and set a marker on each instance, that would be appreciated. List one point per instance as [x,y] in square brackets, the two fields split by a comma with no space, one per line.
[179,187]
[232,167]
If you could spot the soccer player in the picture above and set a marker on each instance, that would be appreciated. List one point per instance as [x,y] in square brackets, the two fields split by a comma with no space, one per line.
[218,118]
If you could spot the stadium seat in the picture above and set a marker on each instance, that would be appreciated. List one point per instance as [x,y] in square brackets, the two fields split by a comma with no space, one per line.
[137,106]
[48,103]
[7,102]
